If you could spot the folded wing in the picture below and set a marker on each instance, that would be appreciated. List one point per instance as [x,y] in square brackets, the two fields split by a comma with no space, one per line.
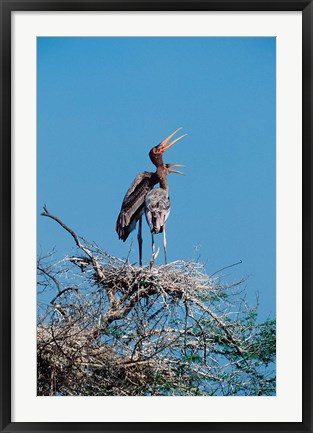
[133,203]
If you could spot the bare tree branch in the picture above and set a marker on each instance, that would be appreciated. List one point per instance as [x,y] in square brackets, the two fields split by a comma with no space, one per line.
[113,328]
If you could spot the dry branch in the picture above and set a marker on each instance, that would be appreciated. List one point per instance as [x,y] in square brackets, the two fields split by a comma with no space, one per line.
[120,329]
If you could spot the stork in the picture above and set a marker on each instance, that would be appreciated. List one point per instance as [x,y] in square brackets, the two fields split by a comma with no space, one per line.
[133,204]
[158,206]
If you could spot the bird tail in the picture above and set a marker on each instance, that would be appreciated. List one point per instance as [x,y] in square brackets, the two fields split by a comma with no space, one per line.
[124,227]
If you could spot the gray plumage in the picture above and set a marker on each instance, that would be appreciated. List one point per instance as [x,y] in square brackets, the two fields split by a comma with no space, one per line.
[157,209]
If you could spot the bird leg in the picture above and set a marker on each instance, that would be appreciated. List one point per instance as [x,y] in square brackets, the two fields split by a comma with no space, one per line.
[164,243]
[154,254]
[153,245]
[139,237]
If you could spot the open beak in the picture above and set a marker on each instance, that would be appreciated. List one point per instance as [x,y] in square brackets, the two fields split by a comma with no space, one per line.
[175,171]
[166,144]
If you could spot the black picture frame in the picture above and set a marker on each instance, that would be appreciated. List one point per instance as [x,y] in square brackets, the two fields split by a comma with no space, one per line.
[7,7]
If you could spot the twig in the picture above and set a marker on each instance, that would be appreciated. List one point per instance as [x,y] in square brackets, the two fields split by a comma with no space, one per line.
[50,276]
[72,233]
[62,292]
[226,267]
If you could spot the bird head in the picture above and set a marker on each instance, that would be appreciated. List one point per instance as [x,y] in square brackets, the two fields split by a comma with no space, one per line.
[156,153]
[165,169]
[170,170]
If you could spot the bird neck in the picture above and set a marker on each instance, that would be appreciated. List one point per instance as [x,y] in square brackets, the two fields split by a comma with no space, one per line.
[162,177]
[164,185]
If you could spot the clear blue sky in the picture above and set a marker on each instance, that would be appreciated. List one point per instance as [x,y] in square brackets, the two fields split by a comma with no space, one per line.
[104,102]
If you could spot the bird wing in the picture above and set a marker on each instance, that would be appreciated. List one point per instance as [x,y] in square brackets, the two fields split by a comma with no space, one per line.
[157,209]
[133,203]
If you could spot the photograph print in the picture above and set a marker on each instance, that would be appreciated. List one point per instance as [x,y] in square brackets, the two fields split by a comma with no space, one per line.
[156,216]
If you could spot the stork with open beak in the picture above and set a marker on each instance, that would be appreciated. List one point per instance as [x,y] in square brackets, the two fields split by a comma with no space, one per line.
[158,206]
[134,201]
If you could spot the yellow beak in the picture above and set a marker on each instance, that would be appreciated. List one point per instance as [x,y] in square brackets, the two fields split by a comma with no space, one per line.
[165,145]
